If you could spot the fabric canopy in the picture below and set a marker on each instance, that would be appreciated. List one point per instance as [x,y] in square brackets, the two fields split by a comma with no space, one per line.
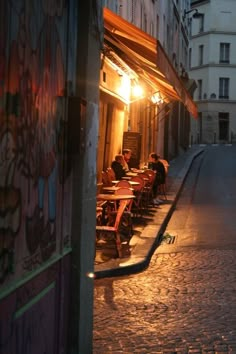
[145,55]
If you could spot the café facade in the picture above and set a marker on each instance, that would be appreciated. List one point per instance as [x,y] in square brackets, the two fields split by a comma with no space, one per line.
[140,96]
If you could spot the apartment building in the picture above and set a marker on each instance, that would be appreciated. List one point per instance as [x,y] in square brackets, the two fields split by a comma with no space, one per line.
[212,62]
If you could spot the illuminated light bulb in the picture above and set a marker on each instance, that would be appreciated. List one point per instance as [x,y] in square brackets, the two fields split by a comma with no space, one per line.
[90,275]
[156,98]
[124,87]
[137,91]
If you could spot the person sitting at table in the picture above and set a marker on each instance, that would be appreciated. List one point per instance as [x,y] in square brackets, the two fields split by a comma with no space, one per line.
[156,165]
[118,167]
[127,156]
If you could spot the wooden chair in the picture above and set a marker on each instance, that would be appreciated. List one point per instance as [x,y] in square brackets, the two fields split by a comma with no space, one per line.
[138,192]
[150,174]
[126,223]
[126,191]
[106,179]
[100,212]
[123,183]
[166,165]
[99,188]
[114,230]
[111,174]
[148,189]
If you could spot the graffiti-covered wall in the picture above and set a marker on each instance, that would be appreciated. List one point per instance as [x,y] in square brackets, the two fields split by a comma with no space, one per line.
[36,73]
[37,69]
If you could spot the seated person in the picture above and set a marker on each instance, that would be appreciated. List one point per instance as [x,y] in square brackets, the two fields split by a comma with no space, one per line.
[127,156]
[118,166]
[166,165]
[165,162]
[156,165]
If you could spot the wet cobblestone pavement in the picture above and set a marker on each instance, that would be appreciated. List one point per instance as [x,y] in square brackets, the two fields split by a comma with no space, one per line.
[184,302]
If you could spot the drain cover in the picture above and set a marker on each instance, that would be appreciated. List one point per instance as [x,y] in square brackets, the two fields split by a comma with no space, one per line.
[167,238]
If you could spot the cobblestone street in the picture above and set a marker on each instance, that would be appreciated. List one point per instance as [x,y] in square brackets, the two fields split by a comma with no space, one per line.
[185,302]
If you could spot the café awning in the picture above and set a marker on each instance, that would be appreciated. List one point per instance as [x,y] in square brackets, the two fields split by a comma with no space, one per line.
[145,55]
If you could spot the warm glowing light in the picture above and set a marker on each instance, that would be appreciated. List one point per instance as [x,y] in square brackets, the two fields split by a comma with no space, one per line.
[156,98]
[90,275]
[137,91]
[124,88]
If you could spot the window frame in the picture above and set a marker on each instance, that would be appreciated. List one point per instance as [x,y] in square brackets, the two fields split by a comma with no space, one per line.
[224,87]
[201,54]
[201,23]
[190,58]
[224,53]
[199,82]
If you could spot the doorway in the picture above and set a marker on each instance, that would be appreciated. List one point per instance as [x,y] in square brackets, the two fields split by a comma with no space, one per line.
[223,127]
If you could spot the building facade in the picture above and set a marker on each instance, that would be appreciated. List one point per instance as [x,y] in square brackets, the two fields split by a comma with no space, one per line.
[60,110]
[164,128]
[212,66]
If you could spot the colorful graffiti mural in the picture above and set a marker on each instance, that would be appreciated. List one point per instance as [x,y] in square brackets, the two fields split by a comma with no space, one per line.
[32,84]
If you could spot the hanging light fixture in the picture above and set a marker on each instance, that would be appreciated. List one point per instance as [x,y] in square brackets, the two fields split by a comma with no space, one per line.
[156,98]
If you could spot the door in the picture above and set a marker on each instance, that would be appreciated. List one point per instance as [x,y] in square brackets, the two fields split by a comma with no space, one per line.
[224,127]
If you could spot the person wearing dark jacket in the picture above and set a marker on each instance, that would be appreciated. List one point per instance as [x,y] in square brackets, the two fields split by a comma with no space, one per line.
[156,165]
[117,166]
[126,159]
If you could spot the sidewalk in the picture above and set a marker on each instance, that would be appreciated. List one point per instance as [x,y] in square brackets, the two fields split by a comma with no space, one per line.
[147,231]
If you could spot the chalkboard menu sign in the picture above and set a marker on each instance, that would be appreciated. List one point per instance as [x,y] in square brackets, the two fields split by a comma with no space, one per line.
[132,141]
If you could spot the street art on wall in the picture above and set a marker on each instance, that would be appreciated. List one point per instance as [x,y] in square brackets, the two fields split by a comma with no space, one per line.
[32,117]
